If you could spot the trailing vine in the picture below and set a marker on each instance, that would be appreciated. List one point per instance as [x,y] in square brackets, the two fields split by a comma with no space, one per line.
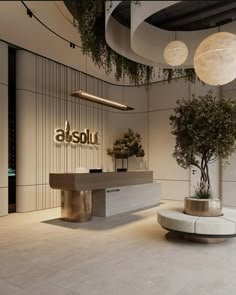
[90,19]
[189,74]
[109,6]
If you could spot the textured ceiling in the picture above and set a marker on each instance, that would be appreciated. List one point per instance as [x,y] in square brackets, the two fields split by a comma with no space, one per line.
[185,15]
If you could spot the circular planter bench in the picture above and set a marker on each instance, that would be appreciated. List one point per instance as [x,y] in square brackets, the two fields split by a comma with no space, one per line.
[198,228]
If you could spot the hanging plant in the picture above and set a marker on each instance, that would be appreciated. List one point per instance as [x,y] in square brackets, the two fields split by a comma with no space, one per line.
[90,16]
[170,74]
[109,6]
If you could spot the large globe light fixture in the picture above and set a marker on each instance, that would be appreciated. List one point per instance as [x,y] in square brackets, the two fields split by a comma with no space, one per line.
[215,59]
[175,53]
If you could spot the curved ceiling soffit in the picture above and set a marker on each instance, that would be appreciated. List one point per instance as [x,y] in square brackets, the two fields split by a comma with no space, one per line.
[150,41]
[118,36]
[64,11]
[147,41]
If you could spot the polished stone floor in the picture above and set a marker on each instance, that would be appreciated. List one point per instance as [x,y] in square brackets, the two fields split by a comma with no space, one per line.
[127,254]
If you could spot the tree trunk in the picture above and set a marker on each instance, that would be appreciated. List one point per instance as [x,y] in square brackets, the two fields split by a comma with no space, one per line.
[205,179]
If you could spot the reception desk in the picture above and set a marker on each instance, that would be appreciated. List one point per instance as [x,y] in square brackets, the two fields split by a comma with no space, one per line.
[86,194]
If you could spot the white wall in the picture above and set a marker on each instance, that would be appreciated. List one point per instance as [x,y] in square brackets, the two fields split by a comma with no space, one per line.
[174,179]
[19,29]
[136,119]
[4,129]
[176,183]
[42,97]
[43,104]
[229,170]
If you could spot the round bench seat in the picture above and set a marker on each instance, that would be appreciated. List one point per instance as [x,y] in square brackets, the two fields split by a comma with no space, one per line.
[173,219]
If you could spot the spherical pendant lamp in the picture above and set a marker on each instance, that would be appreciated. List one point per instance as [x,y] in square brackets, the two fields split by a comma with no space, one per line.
[176,53]
[215,59]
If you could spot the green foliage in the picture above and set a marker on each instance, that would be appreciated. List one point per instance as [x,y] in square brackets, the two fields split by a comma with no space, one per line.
[203,127]
[205,130]
[90,15]
[110,3]
[127,146]
[189,74]
[202,193]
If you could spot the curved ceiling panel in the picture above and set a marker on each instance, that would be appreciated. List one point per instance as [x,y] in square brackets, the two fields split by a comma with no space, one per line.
[185,15]
[118,36]
[145,43]
[150,41]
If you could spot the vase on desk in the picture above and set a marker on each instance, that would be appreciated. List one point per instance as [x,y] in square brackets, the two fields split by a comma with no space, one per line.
[141,164]
[123,169]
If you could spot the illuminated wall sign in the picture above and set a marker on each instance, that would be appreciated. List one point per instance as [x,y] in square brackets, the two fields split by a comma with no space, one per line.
[74,136]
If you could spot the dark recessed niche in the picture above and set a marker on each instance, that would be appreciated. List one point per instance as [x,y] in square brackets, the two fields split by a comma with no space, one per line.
[11,129]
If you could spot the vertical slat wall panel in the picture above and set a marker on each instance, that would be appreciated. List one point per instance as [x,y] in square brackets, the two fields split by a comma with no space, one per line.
[100,130]
[89,122]
[4,129]
[45,86]
[105,142]
[82,123]
[95,123]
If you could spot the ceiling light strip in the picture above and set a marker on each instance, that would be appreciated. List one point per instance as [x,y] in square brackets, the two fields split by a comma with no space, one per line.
[100,100]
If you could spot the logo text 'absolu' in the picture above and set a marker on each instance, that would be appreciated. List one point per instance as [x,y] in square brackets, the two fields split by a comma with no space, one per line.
[74,136]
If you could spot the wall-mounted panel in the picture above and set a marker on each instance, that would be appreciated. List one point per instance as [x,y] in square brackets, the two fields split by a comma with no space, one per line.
[4,129]
[229,170]
[26,140]
[137,120]
[3,201]
[44,103]
[199,88]
[4,136]
[3,63]
[163,95]
[174,179]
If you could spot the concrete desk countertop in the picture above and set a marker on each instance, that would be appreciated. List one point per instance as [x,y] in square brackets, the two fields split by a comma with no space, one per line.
[87,194]
[91,181]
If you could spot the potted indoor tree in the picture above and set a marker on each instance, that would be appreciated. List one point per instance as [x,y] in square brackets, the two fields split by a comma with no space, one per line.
[126,146]
[205,130]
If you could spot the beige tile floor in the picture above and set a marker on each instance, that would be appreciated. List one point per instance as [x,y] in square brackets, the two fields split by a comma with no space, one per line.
[121,255]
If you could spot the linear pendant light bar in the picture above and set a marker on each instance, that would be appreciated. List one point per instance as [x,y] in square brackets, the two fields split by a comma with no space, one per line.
[100,100]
